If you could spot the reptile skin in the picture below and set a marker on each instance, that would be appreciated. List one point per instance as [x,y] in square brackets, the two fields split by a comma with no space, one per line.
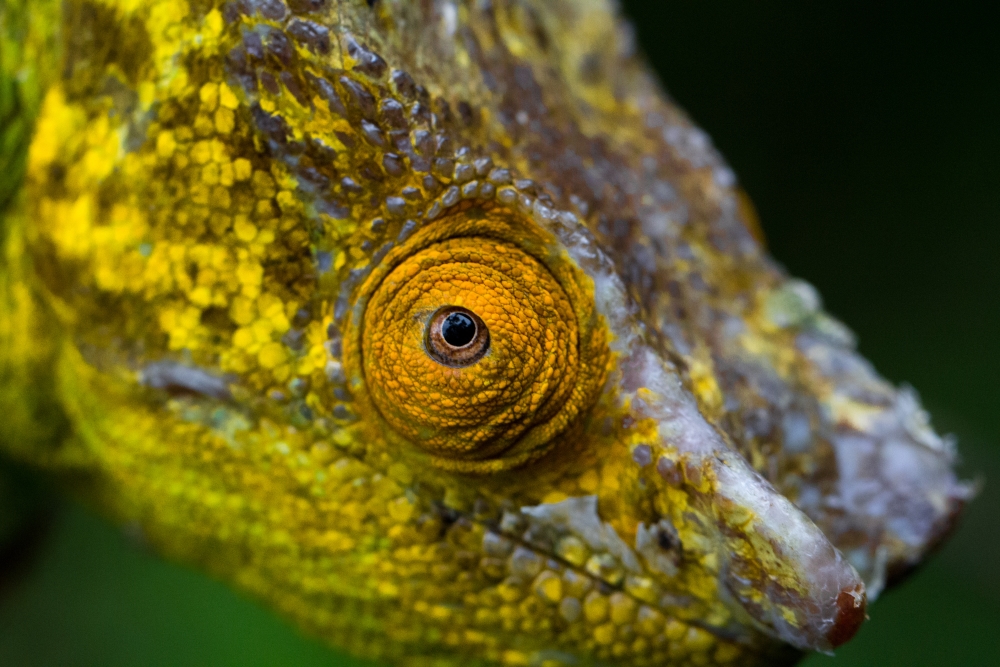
[227,241]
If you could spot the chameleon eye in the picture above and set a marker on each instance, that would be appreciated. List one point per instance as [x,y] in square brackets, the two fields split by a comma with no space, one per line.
[457,337]
[471,349]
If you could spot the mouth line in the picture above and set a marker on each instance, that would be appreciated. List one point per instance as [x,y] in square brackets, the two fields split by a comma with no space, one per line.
[602,585]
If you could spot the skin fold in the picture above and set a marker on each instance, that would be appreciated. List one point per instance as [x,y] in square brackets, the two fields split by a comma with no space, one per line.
[225,244]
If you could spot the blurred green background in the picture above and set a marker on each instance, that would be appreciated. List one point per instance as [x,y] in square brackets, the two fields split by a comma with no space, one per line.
[868,136]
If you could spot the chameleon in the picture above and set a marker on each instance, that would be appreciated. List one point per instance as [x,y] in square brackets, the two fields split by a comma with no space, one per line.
[439,328]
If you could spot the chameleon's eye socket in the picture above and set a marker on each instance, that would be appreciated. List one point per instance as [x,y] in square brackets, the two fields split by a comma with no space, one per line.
[470,348]
[457,337]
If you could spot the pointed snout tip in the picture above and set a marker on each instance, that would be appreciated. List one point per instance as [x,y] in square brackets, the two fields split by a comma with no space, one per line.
[852,603]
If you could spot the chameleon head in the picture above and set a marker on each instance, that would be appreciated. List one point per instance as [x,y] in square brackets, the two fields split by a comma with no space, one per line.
[439,328]
[544,385]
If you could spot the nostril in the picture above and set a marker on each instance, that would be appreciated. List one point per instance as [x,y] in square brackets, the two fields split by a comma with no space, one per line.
[666,541]
[667,537]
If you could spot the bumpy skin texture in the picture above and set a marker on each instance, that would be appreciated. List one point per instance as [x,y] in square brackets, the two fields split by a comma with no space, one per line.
[237,220]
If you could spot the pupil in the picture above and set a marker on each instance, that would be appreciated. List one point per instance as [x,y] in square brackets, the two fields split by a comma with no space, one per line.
[458,330]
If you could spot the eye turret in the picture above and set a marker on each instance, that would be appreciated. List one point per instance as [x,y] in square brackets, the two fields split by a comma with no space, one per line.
[471,348]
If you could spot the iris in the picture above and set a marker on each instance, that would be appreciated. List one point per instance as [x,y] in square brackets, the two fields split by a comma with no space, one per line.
[456,337]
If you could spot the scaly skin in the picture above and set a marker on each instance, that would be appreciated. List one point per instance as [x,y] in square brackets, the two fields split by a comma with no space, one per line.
[237,221]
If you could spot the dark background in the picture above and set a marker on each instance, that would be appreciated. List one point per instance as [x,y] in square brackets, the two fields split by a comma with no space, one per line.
[867,134]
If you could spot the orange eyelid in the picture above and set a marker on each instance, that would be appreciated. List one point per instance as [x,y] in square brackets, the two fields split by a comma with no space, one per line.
[477,411]
[547,348]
